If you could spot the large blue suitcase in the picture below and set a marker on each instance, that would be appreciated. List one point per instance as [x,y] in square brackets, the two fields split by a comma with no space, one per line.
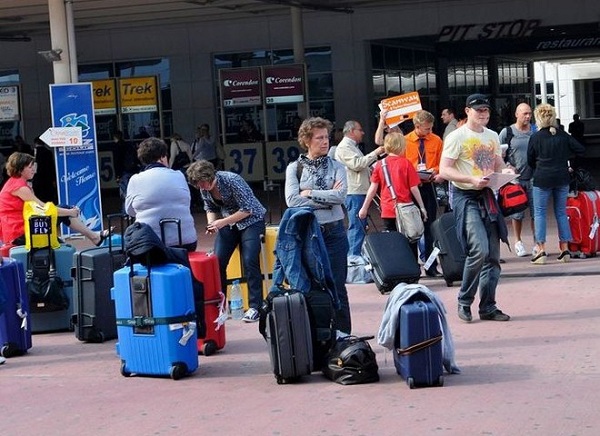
[156,321]
[418,343]
[15,332]
[60,320]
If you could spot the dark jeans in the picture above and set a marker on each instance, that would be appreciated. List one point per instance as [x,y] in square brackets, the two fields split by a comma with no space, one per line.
[430,200]
[248,239]
[336,243]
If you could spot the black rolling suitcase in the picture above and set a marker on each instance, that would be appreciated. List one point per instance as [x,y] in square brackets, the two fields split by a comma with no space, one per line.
[285,325]
[451,256]
[94,317]
[391,259]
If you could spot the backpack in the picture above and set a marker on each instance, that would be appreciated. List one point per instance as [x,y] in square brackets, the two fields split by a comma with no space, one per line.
[512,198]
[181,159]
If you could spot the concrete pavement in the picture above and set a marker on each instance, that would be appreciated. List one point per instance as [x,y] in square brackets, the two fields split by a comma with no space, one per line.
[537,374]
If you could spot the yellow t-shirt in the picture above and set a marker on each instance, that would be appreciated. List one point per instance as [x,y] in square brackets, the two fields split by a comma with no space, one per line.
[475,153]
[37,236]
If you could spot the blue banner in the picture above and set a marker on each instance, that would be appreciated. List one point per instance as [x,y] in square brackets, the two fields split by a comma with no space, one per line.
[77,167]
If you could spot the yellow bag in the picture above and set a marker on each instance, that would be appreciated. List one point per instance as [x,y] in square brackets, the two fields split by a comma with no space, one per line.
[37,237]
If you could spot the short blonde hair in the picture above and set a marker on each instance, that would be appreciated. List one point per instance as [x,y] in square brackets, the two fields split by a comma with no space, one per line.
[545,116]
[200,171]
[395,143]
[305,132]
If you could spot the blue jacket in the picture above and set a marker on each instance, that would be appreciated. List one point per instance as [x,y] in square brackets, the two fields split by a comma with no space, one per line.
[301,255]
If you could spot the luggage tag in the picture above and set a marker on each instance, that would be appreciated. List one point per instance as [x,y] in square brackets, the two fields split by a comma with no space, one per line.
[421,167]
[431,258]
[23,316]
[222,318]
[188,332]
[594,229]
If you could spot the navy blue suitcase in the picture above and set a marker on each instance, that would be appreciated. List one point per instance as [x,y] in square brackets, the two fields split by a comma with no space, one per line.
[418,344]
[15,331]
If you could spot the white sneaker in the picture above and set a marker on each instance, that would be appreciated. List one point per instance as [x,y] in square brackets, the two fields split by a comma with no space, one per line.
[520,249]
[2,360]
[251,315]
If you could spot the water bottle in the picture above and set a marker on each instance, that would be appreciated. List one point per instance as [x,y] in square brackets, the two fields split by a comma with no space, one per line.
[235,301]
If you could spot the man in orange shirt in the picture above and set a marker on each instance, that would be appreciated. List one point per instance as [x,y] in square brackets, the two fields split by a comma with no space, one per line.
[424,151]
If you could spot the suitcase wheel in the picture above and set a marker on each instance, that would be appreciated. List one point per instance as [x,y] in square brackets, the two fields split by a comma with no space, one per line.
[440,381]
[209,348]
[410,382]
[96,337]
[449,283]
[178,371]
[10,350]
[124,371]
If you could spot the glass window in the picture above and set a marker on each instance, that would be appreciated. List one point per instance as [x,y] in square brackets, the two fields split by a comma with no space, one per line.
[9,77]
[320,86]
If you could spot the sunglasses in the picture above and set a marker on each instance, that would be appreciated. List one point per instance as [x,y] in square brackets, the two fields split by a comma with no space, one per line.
[479,101]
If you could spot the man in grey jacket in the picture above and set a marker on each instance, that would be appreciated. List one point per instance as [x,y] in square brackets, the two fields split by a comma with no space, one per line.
[358,175]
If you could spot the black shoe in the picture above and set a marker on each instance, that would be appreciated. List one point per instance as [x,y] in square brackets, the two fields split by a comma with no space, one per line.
[496,315]
[432,272]
[464,313]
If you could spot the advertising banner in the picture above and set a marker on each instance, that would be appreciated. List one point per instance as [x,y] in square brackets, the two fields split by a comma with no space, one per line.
[105,97]
[240,87]
[284,84]
[77,166]
[9,103]
[401,107]
[138,94]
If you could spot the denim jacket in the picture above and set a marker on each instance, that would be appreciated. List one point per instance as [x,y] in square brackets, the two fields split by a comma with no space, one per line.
[301,255]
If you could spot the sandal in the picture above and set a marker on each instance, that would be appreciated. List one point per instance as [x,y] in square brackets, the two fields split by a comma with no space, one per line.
[103,235]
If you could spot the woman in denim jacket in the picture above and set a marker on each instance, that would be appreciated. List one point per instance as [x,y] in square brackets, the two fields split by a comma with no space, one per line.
[319,182]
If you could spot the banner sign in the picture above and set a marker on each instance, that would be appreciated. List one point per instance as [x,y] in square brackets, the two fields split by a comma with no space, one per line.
[9,103]
[77,166]
[284,84]
[105,97]
[240,87]
[138,94]
[400,107]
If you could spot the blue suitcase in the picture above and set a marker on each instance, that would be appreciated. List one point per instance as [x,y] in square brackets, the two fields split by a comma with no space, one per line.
[418,343]
[15,333]
[60,320]
[156,326]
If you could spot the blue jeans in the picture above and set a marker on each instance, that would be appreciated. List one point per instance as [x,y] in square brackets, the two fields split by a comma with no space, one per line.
[482,265]
[356,226]
[540,206]
[228,238]
[336,244]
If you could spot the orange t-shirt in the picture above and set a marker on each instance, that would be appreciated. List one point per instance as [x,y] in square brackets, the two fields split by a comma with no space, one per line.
[11,210]
[433,150]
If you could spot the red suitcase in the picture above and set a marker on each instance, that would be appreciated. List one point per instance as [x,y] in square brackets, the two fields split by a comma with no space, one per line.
[205,268]
[583,212]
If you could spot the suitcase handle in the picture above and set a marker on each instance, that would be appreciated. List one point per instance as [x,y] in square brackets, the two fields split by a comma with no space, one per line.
[418,347]
[124,220]
[163,222]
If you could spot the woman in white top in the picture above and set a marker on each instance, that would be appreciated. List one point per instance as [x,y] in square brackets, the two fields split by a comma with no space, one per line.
[178,145]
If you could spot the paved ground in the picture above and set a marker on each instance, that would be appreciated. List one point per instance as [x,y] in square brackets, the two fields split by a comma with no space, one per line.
[537,374]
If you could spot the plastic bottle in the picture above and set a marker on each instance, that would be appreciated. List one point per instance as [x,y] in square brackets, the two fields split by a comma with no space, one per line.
[235,301]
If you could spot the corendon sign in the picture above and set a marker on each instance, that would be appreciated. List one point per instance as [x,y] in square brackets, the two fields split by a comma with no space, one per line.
[240,87]
[284,84]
